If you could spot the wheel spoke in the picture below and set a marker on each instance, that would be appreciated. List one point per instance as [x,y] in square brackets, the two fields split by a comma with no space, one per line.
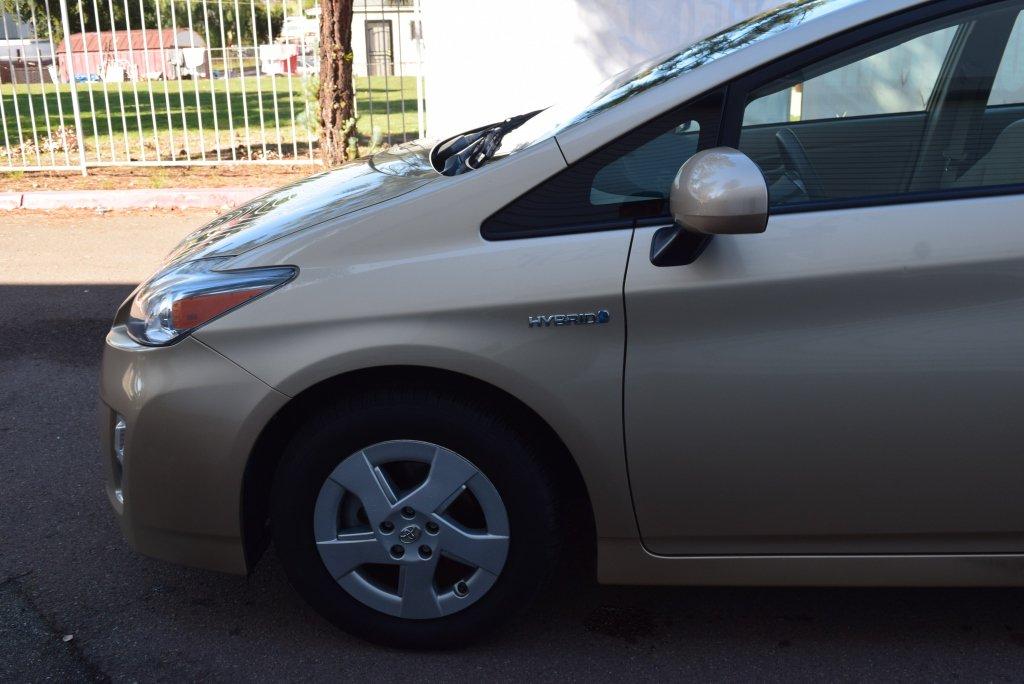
[385,485]
[349,551]
[449,473]
[358,476]
[480,550]
[416,587]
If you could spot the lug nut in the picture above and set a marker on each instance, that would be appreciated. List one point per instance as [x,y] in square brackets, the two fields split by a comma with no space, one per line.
[387,527]
[461,589]
[426,551]
[432,527]
[407,512]
[397,551]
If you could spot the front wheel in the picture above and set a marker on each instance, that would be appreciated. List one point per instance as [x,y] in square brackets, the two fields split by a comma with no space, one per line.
[415,519]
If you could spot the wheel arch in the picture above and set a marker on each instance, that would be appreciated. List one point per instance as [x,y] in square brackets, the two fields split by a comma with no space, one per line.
[262,464]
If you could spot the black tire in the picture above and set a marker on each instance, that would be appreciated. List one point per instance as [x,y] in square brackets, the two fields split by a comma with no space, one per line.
[479,432]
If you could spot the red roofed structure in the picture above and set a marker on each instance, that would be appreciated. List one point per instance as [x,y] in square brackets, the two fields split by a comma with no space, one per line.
[137,54]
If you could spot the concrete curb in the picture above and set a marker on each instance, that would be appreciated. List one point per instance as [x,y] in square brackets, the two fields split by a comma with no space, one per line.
[120,200]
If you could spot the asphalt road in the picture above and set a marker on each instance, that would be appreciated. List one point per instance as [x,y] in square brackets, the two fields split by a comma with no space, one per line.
[66,572]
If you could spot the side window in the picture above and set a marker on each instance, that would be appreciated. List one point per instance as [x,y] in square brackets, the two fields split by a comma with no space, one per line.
[894,81]
[1008,88]
[907,113]
[627,179]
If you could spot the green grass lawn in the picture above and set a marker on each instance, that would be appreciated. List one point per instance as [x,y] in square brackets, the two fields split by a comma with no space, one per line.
[217,115]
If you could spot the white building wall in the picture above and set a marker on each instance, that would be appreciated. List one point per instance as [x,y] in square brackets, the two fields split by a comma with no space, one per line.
[488,59]
[25,48]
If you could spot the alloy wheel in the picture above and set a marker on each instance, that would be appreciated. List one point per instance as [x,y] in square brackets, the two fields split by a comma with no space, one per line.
[411,529]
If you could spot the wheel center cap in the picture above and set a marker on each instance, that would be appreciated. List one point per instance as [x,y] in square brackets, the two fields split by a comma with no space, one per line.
[409,534]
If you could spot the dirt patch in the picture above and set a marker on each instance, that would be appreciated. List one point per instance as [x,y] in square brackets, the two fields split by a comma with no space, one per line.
[148,178]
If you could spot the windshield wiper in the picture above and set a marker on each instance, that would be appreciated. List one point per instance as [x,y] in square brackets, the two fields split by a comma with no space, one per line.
[470,150]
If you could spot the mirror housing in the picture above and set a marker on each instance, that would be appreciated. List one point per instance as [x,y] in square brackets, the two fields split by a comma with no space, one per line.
[720,191]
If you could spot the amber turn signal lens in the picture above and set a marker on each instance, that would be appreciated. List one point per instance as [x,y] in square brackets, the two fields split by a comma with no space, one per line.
[192,312]
[184,296]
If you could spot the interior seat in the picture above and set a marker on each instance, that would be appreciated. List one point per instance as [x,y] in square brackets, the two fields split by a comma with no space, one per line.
[1004,163]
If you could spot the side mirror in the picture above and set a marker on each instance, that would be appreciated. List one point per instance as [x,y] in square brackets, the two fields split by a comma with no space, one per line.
[720,191]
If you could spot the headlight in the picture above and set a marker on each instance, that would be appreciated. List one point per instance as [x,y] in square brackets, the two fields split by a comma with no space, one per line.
[184,296]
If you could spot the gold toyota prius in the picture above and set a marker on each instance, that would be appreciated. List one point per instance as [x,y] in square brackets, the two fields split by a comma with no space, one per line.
[755,307]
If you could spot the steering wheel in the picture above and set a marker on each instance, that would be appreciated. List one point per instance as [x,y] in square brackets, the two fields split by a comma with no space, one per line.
[798,165]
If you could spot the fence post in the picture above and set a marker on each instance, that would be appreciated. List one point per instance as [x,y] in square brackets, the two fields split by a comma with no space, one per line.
[79,130]
[421,121]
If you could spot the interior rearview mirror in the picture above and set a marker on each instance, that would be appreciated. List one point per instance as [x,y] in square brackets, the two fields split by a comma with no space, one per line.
[720,191]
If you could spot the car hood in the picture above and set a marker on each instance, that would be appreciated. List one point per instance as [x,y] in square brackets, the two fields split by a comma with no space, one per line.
[311,201]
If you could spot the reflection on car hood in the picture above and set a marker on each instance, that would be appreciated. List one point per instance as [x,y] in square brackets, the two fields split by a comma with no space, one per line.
[311,201]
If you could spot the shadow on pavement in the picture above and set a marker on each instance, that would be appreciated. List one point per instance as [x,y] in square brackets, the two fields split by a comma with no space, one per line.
[62,323]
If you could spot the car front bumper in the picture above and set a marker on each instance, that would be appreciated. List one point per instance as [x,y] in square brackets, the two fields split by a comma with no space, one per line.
[192,419]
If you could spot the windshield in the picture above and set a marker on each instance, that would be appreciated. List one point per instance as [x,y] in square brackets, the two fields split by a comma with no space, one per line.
[642,77]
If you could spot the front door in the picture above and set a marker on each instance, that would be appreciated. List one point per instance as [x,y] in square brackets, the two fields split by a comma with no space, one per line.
[851,381]
[379,54]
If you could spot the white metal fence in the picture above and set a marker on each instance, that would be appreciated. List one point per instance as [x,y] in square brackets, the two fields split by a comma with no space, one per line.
[91,83]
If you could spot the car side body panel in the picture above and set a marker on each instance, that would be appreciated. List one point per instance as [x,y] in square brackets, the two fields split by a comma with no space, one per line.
[627,562]
[419,286]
